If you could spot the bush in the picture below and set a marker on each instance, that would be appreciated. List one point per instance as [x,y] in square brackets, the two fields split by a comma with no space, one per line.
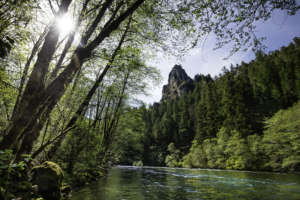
[196,158]
[173,158]
[281,141]
[13,177]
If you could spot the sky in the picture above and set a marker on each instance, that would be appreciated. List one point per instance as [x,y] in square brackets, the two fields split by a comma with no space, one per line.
[279,31]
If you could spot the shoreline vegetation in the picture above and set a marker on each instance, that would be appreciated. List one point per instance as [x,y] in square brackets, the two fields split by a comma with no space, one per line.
[245,118]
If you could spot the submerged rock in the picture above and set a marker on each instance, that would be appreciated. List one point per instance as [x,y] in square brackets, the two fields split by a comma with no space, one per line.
[48,178]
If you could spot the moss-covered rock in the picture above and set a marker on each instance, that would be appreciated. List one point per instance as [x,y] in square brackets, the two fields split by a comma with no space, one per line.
[48,177]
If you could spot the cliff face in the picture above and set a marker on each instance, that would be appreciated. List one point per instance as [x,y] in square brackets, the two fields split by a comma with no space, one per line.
[179,83]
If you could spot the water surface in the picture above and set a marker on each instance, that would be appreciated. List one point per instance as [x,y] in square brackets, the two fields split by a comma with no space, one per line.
[154,183]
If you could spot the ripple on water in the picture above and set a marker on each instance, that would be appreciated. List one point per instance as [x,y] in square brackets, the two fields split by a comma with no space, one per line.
[150,183]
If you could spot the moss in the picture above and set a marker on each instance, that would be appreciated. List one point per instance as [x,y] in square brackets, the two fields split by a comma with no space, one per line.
[53,166]
[65,188]
[48,177]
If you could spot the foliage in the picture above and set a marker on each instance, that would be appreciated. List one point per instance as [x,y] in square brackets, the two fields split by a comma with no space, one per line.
[138,163]
[7,91]
[173,158]
[128,145]
[196,157]
[281,140]
[13,178]
[14,17]
[79,155]
[276,150]
[220,124]
[233,22]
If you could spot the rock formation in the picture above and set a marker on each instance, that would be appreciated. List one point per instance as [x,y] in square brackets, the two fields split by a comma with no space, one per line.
[179,83]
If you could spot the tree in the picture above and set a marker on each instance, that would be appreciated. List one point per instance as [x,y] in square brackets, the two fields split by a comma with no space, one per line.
[281,140]
[33,106]
[196,158]
[128,146]
[234,21]
[237,151]
[14,17]
[84,105]
[173,158]
[99,21]
[229,113]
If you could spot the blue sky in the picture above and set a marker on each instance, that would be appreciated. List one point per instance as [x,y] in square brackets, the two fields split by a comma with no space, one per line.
[279,31]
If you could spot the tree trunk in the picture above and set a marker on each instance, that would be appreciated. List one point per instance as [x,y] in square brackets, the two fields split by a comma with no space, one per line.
[25,72]
[30,103]
[83,106]
[37,99]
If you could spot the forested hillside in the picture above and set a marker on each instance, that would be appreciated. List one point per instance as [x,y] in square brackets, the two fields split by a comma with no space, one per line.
[245,118]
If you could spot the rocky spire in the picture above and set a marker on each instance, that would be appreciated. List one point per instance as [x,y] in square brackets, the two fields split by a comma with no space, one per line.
[179,83]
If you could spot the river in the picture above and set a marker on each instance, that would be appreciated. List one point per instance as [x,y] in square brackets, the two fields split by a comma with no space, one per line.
[157,183]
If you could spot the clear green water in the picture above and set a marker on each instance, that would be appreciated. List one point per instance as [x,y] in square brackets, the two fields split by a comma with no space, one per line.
[149,183]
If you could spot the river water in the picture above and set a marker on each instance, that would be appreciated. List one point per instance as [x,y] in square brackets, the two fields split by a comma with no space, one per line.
[156,183]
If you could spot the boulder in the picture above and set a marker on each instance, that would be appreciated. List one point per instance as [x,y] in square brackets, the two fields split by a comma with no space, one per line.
[48,178]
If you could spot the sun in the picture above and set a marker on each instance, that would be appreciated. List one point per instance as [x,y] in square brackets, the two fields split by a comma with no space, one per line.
[65,24]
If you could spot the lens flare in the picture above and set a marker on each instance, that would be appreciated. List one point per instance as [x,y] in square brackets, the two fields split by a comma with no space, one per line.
[65,24]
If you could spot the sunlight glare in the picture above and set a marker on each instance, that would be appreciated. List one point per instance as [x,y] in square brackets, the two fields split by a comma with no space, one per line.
[65,24]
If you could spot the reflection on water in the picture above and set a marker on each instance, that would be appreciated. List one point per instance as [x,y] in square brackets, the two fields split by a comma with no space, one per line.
[149,183]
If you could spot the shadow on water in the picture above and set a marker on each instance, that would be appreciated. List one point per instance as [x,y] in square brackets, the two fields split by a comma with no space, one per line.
[149,183]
